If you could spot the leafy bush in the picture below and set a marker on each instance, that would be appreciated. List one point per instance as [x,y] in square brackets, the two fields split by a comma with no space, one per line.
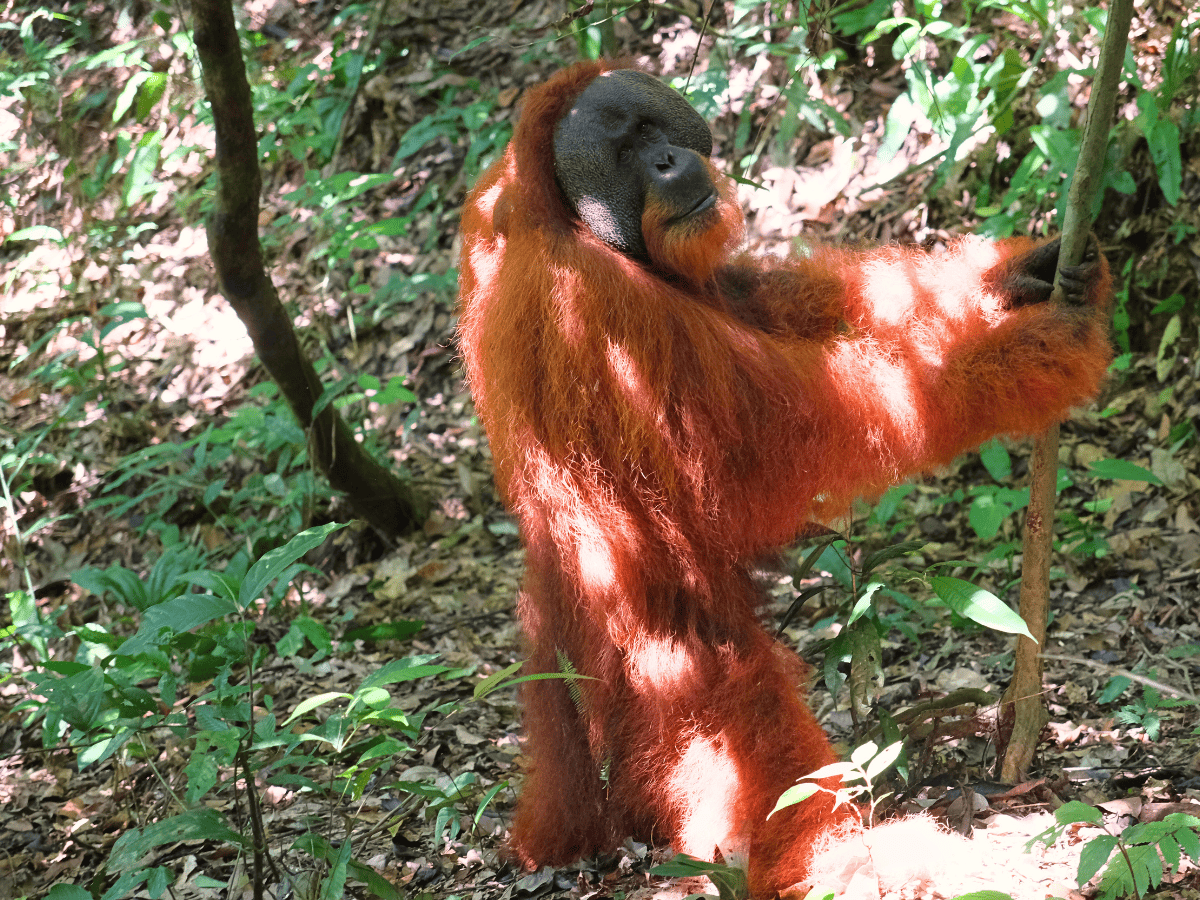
[1133,861]
[126,695]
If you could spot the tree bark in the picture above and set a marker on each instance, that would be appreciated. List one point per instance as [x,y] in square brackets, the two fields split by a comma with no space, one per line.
[1022,705]
[376,494]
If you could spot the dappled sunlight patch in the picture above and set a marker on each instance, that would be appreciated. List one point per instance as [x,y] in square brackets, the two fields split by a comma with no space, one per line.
[705,779]
[916,858]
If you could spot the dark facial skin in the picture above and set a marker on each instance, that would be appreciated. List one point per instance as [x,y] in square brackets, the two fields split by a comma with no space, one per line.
[629,138]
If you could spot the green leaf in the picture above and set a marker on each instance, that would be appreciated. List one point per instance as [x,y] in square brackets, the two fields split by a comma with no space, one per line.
[866,663]
[1187,832]
[68,892]
[1169,848]
[496,679]
[879,557]
[793,795]
[152,90]
[1166,358]
[883,761]
[395,392]
[314,702]
[191,825]
[274,562]
[158,880]
[335,881]
[392,226]
[222,584]
[377,885]
[124,585]
[128,93]
[995,458]
[487,799]
[317,634]
[27,621]
[202,774]
[407,669]
[1073,812]
[978,605]
[863,604]
[1121,470]
[396,630]
[1163,140]
[731,883]
[833,770]
[139,181]
[373,697]
[1173,304]
[213,491]
[418,135]
[1140,872]
[1095,854]
[986,516]
[36,233]
[165,620]
[1115,688]
[863,753]
[683,866]
[124,886]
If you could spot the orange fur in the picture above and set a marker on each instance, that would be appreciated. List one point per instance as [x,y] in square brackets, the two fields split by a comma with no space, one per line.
[657,429]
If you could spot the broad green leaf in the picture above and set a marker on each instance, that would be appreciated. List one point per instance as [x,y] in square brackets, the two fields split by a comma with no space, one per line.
[275,561]
[896,550]
[407,669]
[396,630]
[1115,688]
[986,516]
[36,233]
[202,774]
[1187,832]
[682,866]
[313,702]
[978,605]
[334,885]
[833,770]
[1169,848]
[222,584]
[863,604]
[864,753]
[373,697]
[793,795]
[1121,470]
[884,760]
[68,892]
[175,617]
[1167,351]
[190,825]
[1095,854]
[1164,142]
[377,885]
[1073,812]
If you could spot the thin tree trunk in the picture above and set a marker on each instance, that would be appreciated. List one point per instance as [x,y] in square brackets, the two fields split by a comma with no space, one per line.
[1022,705]
[374,491]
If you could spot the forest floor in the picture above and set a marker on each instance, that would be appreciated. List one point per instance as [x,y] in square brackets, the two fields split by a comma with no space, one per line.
[1131,611]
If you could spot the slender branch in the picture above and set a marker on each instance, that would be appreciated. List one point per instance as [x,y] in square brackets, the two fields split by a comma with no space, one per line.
[1023,706]
[387,502]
